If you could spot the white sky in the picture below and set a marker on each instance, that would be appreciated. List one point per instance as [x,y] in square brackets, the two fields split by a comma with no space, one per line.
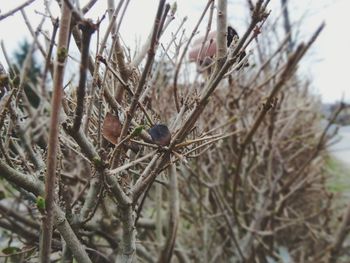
[327,65]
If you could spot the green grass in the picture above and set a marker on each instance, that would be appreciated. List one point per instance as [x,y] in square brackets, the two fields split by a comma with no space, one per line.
[338,176]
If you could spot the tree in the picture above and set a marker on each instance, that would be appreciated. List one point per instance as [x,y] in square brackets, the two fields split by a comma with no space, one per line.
[33,74]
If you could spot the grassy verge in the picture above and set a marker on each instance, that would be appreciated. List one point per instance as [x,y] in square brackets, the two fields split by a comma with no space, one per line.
[338,176]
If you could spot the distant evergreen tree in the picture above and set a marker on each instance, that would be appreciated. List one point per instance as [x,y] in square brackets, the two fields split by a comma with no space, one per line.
[33,73]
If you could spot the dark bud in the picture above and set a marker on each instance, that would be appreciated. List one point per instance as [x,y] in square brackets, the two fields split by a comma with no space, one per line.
[231,33]
[160,134]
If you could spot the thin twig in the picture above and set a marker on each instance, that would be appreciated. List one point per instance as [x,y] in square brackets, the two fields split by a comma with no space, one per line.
[13,11]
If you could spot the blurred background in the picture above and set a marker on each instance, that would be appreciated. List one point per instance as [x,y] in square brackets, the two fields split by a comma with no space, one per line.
[326,66]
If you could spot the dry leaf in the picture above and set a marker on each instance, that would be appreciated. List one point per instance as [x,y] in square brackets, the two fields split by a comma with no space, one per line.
[111,128]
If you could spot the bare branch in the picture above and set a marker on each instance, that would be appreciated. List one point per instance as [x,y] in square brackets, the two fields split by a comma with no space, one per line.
[62,52]
[221,29]
[13,11]
[174,213]
[88,28]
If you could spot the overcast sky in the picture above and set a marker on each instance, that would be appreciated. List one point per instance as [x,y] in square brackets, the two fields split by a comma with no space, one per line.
[327,65]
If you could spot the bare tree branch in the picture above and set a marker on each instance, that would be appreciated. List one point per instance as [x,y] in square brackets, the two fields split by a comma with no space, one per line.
[13,11]
[174,213]
[62,52]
